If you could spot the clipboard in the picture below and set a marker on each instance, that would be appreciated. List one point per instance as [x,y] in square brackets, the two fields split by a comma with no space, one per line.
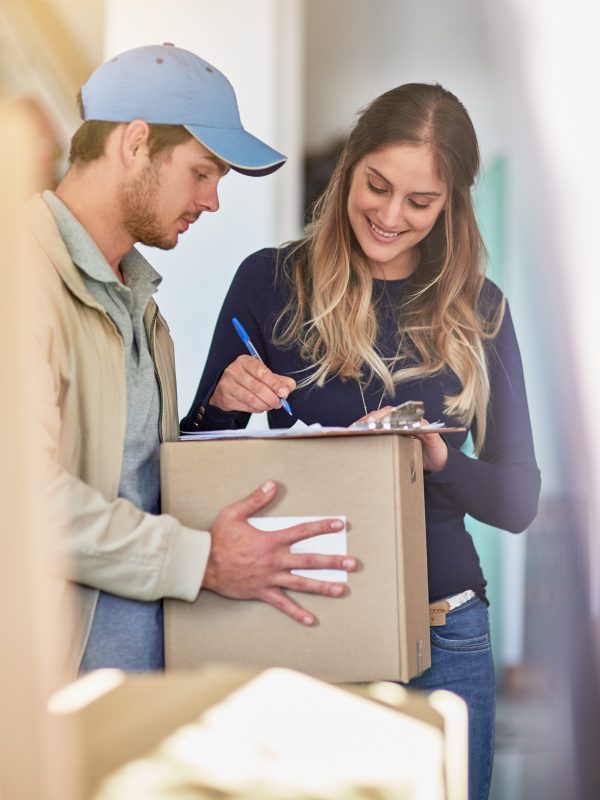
[312,433]
[405,419]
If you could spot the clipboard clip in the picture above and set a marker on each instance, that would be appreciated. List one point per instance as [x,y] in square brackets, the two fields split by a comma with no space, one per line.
[404,417]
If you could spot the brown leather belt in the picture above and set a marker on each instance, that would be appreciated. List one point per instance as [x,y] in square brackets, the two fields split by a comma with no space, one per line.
[439,609]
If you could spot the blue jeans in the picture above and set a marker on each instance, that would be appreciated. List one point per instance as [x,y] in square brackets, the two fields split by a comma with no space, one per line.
[461,661]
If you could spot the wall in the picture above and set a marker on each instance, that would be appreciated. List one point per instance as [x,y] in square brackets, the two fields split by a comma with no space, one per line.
[357,50]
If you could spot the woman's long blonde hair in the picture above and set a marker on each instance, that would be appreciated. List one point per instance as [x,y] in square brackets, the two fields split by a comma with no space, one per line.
[442,321]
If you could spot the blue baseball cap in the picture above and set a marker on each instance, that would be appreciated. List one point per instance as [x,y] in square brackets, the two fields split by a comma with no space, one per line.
[166,85]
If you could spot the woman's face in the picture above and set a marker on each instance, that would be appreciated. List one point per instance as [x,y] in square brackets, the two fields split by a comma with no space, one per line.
[394,201]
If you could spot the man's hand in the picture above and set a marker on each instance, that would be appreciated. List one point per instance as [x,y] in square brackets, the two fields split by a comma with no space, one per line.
[248,564]
[249,385]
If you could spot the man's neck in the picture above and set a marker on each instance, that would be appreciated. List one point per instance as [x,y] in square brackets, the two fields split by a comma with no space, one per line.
[97,209]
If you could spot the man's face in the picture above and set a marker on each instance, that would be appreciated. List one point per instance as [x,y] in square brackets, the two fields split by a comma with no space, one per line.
[168,194]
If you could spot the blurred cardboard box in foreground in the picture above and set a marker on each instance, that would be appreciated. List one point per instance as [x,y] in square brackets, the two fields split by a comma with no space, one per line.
[234,733]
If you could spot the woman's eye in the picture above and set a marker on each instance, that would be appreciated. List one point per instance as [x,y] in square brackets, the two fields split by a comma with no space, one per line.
[376,189]
[414,204]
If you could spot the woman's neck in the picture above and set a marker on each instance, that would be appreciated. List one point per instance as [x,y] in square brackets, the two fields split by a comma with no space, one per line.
[401,267]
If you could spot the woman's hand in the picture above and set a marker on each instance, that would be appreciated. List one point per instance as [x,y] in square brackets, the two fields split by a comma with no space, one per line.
[375,416]
[435,449]
[249,385]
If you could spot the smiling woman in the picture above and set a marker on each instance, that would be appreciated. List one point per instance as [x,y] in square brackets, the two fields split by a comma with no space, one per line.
[386,298]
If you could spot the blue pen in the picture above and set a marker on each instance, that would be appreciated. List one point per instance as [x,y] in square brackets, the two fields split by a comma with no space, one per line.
[243,334]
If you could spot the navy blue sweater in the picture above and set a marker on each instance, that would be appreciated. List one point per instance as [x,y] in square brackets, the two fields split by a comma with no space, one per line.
[500,488]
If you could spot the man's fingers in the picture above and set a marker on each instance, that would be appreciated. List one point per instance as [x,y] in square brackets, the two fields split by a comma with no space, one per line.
[306,530]
[299,583]
[249,505]
[319,561]
[281,602]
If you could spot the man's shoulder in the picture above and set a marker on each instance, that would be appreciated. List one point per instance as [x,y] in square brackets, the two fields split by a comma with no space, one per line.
[50,256]
[45,236]
[41,220]
[46,246]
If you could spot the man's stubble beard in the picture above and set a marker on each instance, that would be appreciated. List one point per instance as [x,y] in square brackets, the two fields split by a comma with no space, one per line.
[139,214]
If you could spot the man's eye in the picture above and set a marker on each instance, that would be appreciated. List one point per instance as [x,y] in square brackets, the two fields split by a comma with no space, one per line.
[375,189]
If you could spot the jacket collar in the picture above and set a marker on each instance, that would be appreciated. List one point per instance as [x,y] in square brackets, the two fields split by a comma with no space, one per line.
[45,229]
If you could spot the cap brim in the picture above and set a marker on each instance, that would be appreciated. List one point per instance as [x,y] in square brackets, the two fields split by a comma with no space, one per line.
[238,148]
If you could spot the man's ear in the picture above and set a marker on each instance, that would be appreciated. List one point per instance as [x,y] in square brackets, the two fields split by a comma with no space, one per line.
[134,142]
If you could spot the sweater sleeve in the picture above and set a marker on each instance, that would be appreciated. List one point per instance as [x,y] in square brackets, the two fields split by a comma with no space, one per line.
[248,298]
[502,486]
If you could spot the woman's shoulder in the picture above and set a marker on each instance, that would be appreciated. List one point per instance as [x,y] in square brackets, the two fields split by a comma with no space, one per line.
[268,263]
[491,299]
[259,262]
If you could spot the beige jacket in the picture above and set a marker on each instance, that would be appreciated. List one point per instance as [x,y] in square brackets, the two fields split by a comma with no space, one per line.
[104,542]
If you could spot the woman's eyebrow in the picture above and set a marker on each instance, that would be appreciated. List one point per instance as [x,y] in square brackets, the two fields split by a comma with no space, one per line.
[385,180]
[379,175]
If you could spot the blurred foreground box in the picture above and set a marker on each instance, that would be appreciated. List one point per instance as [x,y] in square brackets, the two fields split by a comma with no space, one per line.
[230,733]
[380,630]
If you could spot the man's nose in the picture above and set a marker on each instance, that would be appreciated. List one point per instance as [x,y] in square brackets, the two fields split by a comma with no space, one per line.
[208,199]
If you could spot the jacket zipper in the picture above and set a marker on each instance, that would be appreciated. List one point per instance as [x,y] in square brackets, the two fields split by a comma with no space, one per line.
[160,389]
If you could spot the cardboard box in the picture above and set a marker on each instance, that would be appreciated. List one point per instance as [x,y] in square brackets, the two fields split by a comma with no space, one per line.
[114,717]
[380,630]
[221,728]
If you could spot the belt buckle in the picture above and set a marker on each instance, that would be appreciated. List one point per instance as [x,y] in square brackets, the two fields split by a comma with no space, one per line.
[437,613]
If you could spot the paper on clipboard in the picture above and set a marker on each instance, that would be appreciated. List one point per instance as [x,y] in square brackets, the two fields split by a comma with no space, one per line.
[298,427]
[301,430]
